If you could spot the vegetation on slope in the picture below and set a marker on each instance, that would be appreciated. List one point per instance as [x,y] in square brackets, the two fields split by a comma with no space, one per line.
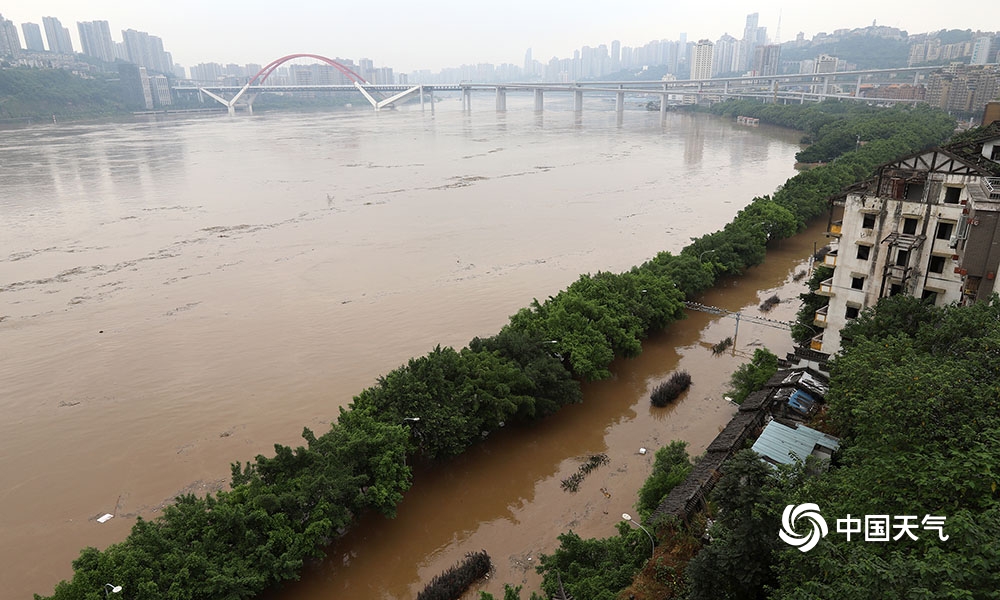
[283,510]
[914,396]
[42,93]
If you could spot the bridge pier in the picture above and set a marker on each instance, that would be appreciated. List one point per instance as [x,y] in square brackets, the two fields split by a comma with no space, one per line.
[431,98]
[421,98]
[663,106]
[467,99]
[578,101]
[620,103]
[501,99]
[538,100]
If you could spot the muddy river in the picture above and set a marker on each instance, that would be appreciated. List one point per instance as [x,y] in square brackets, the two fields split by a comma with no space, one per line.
[177,295]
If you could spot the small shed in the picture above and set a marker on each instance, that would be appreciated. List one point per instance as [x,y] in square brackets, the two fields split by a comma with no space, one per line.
[781,444]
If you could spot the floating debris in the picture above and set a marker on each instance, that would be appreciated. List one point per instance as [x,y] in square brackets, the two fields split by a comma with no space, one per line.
[572,483]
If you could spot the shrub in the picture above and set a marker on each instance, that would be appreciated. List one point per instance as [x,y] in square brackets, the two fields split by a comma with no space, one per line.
[453,583]
[770,303]
[722,346]
[668,391]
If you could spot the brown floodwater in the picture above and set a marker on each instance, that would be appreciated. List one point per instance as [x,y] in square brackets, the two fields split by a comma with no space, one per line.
[178,295]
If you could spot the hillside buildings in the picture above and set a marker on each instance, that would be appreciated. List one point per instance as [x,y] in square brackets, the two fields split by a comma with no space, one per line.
[963,88]
[927,225]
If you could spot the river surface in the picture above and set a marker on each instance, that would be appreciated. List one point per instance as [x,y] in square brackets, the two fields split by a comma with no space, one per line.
[177,295]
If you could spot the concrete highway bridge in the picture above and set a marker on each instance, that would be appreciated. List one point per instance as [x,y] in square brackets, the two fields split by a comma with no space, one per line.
[777,88]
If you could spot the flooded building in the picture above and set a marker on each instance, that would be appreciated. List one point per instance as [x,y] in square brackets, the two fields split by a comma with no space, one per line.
[927,225]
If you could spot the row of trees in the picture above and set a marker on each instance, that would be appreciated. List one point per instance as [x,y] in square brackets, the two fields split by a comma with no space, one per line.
[283,510]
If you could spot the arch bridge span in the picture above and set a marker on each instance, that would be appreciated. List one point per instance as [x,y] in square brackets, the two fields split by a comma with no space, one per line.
[255,85]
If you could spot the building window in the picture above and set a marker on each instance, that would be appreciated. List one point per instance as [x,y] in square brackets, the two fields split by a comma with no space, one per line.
[852,312]
[995,155]
[902,257]
[952,194]
[909,226]
[895,289]
[858,283]
[944,230]
[936,265]
[864,252]
[914,191]
[869,222]
[929,296]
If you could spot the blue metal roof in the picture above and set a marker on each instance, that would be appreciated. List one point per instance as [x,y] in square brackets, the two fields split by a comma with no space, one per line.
[782,444]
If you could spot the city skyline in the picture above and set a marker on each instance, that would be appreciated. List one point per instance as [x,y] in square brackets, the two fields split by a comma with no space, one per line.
[441,34]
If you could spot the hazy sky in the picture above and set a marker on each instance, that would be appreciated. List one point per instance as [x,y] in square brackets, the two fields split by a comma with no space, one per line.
[431,34]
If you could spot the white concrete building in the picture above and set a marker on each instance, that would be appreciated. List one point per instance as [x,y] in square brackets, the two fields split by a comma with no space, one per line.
[927,225]
[701,61]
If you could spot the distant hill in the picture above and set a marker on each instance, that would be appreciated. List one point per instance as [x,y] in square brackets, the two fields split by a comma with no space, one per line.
[866,52]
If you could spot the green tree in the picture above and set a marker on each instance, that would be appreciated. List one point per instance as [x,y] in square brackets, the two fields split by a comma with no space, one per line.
[916,398]
[670,468]
[750,377]
[738,563]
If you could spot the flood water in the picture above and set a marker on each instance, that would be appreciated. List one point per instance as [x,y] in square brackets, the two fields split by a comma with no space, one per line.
[178,295]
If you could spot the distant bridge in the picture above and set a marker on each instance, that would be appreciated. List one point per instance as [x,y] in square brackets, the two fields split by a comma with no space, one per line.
[811,87]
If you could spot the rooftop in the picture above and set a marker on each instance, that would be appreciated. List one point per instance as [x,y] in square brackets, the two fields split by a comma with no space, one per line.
[781,444]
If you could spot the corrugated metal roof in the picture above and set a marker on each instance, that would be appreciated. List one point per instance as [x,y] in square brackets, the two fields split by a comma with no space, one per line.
[783,444]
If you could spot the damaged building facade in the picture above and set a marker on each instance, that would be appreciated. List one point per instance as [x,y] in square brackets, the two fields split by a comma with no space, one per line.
[927,225]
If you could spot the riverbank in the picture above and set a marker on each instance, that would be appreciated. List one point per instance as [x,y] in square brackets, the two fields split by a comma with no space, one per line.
[586,351]
[251,275]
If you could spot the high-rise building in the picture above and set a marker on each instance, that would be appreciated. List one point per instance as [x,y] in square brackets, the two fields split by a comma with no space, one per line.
[366,68]
[701,62]
[753,36]
[147,51]
[33,37]
[981,51]
[925,226]
[206,72]
[10,42]
[57,36]
[95,40]
[725,58]
[766,59]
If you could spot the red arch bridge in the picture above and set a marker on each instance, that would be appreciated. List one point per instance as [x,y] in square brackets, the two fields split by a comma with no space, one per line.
[775,88]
